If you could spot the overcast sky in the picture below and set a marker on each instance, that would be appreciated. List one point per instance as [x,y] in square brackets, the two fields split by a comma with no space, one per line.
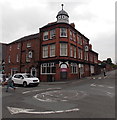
[93,18]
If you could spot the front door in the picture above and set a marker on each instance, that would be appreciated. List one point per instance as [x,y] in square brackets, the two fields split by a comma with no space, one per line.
[63,71]
[63,75]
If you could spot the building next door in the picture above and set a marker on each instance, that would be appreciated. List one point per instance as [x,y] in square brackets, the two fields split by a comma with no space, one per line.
[63,71]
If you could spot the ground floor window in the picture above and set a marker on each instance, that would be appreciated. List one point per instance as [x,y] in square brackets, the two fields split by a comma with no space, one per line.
[48,68]
[74,68]
[92,69]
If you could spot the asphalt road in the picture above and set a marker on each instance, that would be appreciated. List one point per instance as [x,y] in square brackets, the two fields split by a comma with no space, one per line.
[92,97]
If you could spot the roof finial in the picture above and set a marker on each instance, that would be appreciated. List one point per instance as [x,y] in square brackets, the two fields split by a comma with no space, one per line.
[62,6]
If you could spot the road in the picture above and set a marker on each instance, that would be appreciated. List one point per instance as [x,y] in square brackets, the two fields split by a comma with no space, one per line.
[91,97]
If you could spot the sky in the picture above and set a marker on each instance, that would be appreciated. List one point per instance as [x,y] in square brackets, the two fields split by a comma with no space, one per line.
[93,18]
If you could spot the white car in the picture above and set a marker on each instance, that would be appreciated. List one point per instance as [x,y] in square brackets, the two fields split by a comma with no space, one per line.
[25,79]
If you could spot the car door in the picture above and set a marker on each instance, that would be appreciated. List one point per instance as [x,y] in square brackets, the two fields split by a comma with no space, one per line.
[17,79]
[20,79]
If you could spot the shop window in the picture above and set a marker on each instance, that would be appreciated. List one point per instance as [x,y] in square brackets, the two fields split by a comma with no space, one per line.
[48,68]
[74,68]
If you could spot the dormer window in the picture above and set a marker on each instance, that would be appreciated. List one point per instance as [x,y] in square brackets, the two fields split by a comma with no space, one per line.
[45,35]
[63,32]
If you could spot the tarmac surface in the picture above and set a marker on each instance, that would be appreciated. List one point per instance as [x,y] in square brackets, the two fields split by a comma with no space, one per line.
[90,97]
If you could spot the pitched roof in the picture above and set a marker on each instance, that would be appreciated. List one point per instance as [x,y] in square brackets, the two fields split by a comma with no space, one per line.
[29,37]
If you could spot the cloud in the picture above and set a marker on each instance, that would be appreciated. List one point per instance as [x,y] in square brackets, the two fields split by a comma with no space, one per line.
[93,18]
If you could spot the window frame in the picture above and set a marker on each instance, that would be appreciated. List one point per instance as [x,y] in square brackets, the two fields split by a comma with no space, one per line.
[63,50]
[45,35]
[63,32]
[45,49]
[52,50]
[52,33]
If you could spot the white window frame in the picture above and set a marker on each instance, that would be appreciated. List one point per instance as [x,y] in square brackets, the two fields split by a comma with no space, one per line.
[10,47]
[28,45]
[17,58]
[18,46]
[30,54]
[71,38]
[74,68]
[71,50]
[27,58]
[45,35]
[48,66]
[74,52]
[74,37]
[45,51]
[63,49]
[52,50]
[63,32]
[52,33]
[9,59]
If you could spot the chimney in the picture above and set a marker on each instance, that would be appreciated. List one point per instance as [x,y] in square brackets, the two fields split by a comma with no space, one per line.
[90,46]
[73,25]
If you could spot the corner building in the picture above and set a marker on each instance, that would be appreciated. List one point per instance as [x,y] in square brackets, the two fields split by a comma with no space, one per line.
[58,52]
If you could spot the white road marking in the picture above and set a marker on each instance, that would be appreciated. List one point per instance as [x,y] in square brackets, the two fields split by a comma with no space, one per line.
[101,85]
[13,110]
[110,87]
[41,90]
[99,77]
[53,89]
[110,94]
[93,85]
[43,100]
[26,92]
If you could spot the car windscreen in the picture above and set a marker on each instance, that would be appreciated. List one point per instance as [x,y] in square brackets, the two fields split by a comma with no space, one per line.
[28,76]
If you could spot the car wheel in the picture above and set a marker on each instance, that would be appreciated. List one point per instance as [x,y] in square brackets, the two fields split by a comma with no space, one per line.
[24,84]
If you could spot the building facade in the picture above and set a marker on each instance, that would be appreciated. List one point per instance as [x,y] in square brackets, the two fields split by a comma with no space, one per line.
[58,52]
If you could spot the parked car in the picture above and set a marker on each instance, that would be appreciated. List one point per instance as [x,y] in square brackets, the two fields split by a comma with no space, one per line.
[25,79]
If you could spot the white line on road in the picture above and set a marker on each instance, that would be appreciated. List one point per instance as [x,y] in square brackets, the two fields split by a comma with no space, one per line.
[26,92]
[110,87]
[93,85]
[101,85]
[13,110]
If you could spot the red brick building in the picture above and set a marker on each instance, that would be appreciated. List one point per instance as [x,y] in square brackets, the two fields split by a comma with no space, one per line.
[59,51]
